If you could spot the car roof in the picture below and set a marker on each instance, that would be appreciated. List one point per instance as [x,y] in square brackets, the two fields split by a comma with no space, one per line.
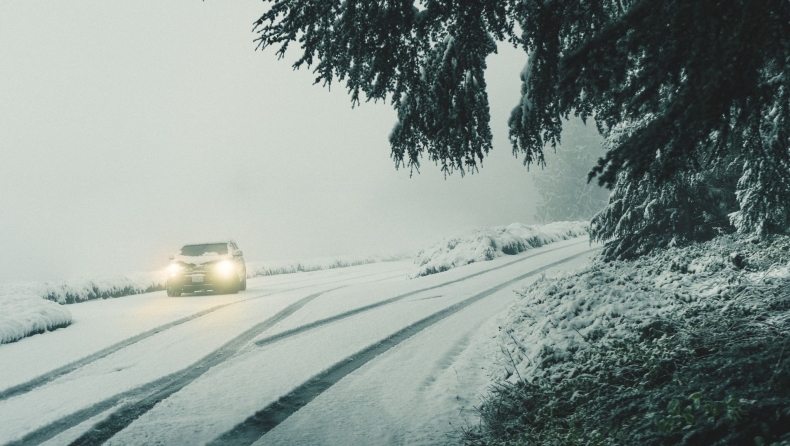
[210,243]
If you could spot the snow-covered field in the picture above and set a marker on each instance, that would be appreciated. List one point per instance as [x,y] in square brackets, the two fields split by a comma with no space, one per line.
[396,358]
[480,245]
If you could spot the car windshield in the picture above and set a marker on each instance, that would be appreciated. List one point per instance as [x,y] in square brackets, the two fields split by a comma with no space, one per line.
[200,250]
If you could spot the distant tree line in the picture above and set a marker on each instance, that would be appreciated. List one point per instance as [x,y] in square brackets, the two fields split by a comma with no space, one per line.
[690,95]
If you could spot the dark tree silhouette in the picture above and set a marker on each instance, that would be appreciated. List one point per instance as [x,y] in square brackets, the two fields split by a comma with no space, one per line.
[696,83]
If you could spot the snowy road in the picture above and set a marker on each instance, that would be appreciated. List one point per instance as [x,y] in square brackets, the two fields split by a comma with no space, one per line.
[358,355]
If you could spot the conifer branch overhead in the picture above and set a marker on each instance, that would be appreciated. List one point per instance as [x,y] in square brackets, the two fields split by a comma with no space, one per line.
[699,83]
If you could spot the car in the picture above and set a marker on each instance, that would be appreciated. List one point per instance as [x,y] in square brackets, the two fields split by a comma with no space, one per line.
[217,267]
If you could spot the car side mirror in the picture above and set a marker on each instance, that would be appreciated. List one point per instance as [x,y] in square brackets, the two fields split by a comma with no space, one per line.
[237,253]
[171,256]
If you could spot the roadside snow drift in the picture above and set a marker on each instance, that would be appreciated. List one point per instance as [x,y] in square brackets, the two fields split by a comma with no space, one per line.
[480,245]
[27,314]
[79,290]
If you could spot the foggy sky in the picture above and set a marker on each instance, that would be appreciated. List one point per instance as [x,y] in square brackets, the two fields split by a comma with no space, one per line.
[129,128]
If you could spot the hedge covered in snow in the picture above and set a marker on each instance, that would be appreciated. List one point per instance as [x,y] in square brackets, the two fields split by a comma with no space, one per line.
[79,290]
[257,269]
[27,314]
[683,346]
[480,245]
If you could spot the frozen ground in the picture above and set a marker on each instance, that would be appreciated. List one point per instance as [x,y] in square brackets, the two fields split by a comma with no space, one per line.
[357,355]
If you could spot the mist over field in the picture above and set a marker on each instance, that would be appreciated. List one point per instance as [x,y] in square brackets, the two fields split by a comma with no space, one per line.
[128,129]
[200,245]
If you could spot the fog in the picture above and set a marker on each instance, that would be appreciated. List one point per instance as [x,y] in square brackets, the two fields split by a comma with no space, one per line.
[130,128]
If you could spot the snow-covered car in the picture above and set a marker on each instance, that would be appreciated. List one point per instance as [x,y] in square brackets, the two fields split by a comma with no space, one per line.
[217,267]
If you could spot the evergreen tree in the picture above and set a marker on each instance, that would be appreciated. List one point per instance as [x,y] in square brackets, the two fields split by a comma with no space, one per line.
[699,83]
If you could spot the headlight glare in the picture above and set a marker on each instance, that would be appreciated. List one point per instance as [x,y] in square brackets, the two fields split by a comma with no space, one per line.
[225,267]
[174,269]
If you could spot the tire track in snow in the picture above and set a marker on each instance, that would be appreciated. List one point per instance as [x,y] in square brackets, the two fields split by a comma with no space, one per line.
[354,312]
[41,380]
[256,426]
[144,397]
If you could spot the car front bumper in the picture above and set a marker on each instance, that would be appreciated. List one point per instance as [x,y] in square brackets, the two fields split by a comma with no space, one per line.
[191,282]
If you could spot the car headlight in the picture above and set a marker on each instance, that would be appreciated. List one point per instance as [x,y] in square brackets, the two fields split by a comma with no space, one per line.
[225,267]
[175,269]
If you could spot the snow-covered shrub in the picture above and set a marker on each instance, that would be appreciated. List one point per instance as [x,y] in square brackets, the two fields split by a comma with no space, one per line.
[682,346]
[480,245]
[27,314]
[256,269]
[79,290]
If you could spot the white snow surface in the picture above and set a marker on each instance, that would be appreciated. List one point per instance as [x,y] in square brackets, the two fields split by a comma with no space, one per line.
[411,392]
[480,245]
[562,314]
[22,315]
[26,314]
[397,398]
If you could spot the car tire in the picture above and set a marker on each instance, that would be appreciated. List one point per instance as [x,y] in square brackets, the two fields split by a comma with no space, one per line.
[243,285]
[172,292]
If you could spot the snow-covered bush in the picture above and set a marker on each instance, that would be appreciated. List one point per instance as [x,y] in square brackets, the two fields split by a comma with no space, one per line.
[643,215]
[256,269]
[27,314]
[480,245]
[79,290]
[682,346]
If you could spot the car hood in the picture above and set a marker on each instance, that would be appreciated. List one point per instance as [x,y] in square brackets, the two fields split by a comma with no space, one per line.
[200,260]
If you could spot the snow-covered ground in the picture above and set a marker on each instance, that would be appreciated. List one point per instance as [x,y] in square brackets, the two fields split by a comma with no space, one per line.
[606,301]
[480,245]
[192,369]
[21,314]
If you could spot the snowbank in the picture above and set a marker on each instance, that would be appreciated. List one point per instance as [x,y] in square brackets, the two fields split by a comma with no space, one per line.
[555,318]
[78,290]
[27,314]
[480,245]
[257,269]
